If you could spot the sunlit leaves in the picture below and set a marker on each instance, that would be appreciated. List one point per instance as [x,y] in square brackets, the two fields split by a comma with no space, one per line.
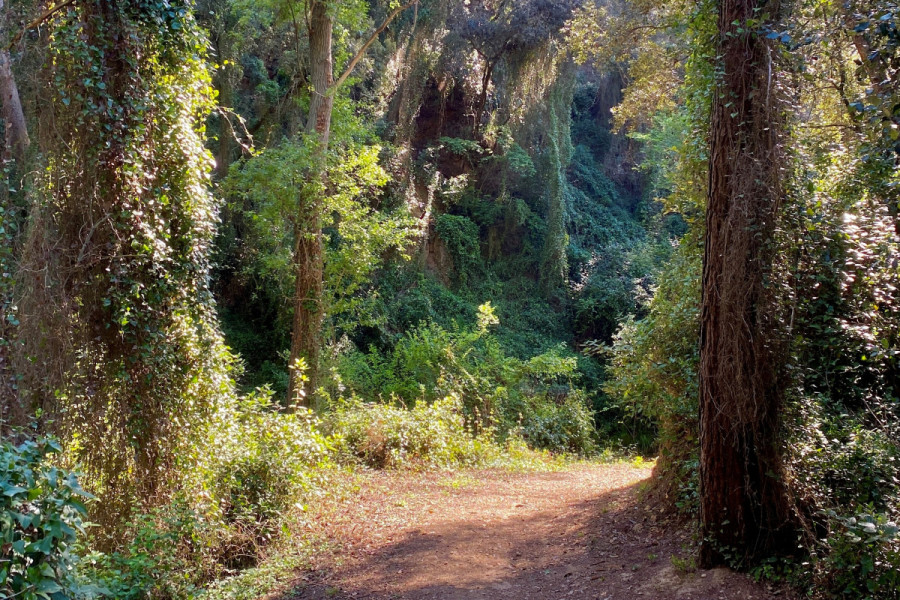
[645,39]
[273,186]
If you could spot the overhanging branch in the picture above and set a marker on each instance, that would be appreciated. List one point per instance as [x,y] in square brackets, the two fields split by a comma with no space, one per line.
[35,23]
[362,51]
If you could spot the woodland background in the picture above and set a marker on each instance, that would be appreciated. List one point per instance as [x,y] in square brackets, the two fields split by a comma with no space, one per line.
[493,243]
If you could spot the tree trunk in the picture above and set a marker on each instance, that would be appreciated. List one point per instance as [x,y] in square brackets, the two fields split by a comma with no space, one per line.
[874,66]
[11,110]
[321,74]
[308,252]
[745,510]
[225,100]
[482,97]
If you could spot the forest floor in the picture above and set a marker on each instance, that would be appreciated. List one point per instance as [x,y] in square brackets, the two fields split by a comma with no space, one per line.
[585,531]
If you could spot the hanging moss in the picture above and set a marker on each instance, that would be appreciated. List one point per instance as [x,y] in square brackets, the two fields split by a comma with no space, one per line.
[557,156]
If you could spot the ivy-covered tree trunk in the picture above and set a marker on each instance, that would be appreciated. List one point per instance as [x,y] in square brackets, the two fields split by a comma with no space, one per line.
[745,510]
[558,155]
[306,342]
[120,344]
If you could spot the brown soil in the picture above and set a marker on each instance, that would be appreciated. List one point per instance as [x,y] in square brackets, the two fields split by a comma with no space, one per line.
[583,533]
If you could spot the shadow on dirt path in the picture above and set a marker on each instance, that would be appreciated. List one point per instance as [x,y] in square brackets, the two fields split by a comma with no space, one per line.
[581,533]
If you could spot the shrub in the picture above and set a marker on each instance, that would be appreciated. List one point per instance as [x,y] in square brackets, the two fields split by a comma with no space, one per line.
[863,560]
[384,435]
[170,552]
[261,461]
[562,426]
[42,513]
[653,367]
[537,398]
[264,459]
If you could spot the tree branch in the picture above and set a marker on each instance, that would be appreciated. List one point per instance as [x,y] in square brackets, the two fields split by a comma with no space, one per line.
[362,51]
[43,17]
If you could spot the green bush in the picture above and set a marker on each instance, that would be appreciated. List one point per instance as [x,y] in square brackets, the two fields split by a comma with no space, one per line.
[863,557]
[260,462]
[565,425]
[171,551]
[384,435]
[264,459]
[537,398]
[42,513]
[654,361]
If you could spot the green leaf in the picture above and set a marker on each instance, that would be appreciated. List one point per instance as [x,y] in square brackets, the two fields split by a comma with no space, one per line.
[11,490]
[48,586]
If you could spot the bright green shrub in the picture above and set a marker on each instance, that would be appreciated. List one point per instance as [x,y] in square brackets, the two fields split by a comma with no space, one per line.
[384,435]
[537,398]
[263,460]
[42,513]
[840,464]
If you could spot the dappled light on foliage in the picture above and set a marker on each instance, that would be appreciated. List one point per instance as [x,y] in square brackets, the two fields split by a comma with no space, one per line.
[256,255]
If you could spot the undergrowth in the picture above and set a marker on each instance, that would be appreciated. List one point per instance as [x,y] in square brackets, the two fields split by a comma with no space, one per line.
[264,472]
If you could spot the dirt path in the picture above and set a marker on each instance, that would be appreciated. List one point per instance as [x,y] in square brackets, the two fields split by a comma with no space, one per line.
[582,533]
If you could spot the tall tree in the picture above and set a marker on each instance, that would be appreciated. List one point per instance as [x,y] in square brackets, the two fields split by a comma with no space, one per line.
[306,341]
[118,336]
[745,509]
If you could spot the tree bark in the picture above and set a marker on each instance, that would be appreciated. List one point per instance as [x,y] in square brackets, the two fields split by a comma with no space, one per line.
[744,505]
[308,251]
[875,69]
[321,73]
[17,140]
[225,100]
[309,312]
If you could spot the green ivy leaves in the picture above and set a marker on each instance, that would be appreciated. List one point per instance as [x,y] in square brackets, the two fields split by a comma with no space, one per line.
[42,512]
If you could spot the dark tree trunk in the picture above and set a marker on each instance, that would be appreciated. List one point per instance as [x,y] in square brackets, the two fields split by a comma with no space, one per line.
[482,97]
[226,99]
[308,252]
[10,105]
[745,510]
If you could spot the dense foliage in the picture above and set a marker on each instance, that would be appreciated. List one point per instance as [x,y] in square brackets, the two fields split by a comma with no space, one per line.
[42,513]
[510,214]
